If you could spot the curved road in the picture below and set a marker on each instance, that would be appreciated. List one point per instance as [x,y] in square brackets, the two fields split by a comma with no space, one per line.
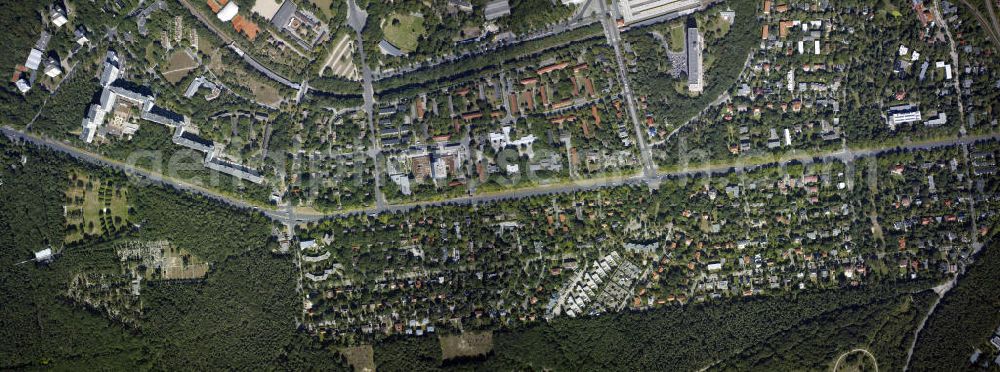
[232,45]
[865,351]
[286,216]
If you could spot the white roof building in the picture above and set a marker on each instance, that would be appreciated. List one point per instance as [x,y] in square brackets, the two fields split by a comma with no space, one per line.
[110,74]
[903,114]
[58,16]
[946,67]
[638,10]
[938,120]
[34,59]
[388,48]
[440,169]
[696,76]
[44,255]
[22,85]
[52,68]
[403,182]
[80,35]
[93,120]
[228,12]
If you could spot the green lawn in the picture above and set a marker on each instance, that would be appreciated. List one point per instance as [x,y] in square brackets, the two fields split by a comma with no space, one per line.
[89,214]
[325,6]
[713,27]
[677,37]
[403,31]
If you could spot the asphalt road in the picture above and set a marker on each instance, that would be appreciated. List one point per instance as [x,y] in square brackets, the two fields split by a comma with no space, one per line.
[287,215]
[357,19]
[156,178]
[614,38]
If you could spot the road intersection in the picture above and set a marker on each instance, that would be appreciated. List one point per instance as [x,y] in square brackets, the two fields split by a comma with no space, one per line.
[356,19]
[288,215]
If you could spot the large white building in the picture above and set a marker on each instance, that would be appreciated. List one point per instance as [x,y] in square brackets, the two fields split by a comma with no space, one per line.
[110,96]
[34,59]
[228,12]
[523,145]
[112,69]
[903,114]
[638,10]
[696,75]
[44,255]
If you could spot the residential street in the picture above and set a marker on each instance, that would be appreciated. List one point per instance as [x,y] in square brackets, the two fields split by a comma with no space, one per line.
[357,22]
[286,215]
[418,185]
[614,38]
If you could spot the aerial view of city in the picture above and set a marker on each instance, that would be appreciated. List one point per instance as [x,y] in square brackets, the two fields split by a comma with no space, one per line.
[497,185]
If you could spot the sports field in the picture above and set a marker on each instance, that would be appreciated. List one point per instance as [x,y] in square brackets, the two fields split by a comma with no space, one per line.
[403,31]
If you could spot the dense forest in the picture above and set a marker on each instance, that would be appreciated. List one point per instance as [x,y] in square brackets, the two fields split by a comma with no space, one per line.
[730,54]
[964,320]
[241,316]
[806,331]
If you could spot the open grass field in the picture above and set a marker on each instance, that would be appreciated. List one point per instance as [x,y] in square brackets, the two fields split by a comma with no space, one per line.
[266,8]
[324,5]
[468,344]
[403,31]
[179,66]
[265,93]
[180,264]
[236,76]
[93,207]
[716,25]
[361,358]
[889,8]
[677,37]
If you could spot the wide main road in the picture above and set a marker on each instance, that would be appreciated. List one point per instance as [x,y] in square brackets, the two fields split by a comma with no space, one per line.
[288,216]
[154,177]
[614,38]
[356,18]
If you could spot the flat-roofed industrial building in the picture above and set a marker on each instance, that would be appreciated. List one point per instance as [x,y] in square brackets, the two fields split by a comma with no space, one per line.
[696,76]
[638,10]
